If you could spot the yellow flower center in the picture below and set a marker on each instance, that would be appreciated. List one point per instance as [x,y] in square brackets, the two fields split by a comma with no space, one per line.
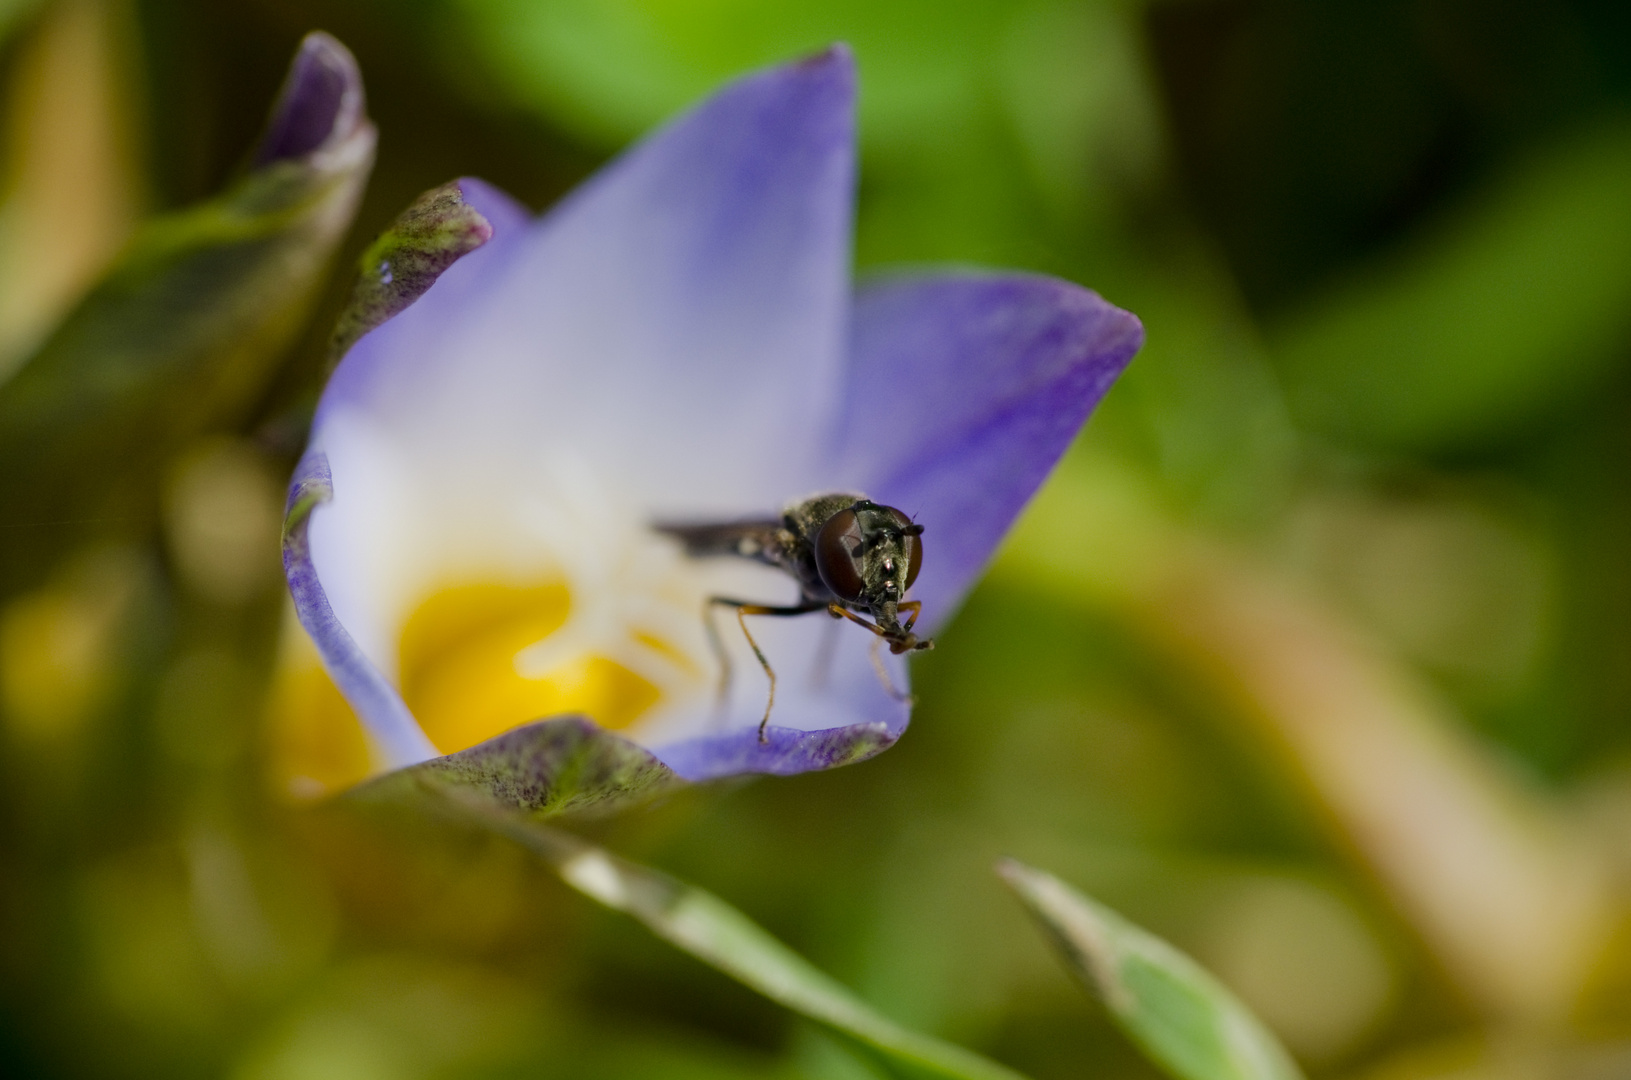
[460,678]
[610,639]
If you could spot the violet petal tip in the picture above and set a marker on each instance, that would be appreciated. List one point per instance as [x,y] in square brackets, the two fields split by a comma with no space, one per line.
[321,102]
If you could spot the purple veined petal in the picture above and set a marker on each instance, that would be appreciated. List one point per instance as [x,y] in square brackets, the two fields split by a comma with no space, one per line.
[964,390]
[682,316]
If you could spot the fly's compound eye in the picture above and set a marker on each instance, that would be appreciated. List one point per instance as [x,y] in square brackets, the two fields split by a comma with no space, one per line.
[914,545]
[838,555]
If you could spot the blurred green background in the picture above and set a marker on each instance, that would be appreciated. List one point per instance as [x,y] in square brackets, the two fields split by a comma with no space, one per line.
[1315,656]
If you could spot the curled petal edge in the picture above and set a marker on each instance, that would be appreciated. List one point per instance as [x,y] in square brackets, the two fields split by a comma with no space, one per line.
[396,735]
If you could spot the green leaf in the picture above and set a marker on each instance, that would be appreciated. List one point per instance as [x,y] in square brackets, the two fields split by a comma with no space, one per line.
[428,237]
[1182,1017]
[13,14]
[566,765]
[614,68]
[703,925]
[963,124]
[513,782]
[185,331]
[1483,324]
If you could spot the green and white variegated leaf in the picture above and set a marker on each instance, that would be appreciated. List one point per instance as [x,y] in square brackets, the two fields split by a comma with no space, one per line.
[701,924]
[184,332]
[1184,1019]
[513,783]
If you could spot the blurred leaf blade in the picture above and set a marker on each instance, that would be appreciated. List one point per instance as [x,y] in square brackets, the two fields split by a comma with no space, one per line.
[184,331]
[72,189]
[514,782]
[1484,322]
[701,924]
[555,56]
[1182,1017]
[13,13]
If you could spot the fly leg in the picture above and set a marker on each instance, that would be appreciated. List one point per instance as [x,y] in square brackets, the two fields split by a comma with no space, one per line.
[745,608]
[716,645]
[916,609]
[876,655]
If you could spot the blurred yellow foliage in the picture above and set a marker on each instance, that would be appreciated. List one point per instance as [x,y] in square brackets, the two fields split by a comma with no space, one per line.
[59,646]
[72,192]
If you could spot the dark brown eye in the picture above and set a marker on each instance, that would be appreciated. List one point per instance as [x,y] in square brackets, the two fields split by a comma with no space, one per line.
[837,555]
[914,548]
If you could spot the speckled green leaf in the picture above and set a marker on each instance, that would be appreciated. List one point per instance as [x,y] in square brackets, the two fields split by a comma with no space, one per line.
[1183,1018]
[186,329]
[559,766]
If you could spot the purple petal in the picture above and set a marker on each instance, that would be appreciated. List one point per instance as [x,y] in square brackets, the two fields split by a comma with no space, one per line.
[321,102]
[964,390]
[395,732]
[681,317]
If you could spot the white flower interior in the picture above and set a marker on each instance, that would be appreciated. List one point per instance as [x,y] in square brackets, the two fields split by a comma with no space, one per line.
[492,598]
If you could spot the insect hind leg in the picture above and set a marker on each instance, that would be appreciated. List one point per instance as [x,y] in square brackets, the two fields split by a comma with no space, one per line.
[745,608]
[716,645]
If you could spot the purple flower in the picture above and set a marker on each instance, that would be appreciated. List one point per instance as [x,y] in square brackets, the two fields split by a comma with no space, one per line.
[679,338]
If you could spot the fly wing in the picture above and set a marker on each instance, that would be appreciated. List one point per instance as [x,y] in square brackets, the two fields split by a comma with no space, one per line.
[759,539]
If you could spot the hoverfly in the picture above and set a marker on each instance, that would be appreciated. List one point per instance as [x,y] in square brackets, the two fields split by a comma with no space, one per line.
[851,557]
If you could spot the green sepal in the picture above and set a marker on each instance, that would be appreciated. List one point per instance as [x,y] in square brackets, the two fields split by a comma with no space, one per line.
[396,269]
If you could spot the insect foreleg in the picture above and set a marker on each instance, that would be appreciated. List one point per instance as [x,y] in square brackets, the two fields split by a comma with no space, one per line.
[915,607]
[717,645]
[838,611]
